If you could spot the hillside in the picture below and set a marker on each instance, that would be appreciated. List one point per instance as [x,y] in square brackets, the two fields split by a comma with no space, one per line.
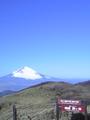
[84,83]
[38,99]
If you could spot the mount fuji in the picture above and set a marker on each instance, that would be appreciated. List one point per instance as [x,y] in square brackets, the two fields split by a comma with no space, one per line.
[23,78]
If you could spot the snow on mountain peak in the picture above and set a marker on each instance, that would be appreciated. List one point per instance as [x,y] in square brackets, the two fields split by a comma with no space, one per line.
[27,73]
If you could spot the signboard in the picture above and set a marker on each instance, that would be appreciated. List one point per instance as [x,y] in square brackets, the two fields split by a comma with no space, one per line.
[71,105]
[69,102]
[63,105]
[72,108]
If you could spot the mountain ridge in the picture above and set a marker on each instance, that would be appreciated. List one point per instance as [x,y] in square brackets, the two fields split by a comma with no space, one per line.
[23,78]
[26,77]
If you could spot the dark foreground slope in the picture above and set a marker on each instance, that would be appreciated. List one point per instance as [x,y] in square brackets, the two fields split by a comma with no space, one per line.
[33,102]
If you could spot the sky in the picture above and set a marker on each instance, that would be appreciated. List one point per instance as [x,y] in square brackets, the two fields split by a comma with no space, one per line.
[50,36]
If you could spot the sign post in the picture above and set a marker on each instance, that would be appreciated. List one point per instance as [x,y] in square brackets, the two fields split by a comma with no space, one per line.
[71,106]
[57,110]
[86,118]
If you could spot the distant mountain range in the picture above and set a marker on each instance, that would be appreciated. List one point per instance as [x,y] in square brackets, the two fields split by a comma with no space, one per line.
[7,92]
[23,78]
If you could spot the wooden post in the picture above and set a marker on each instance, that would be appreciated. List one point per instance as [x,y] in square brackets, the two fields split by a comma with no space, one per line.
[86,117]
[57,110]
[14,113]
[29,118]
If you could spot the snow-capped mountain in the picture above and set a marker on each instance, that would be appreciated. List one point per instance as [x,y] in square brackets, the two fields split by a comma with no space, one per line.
[27,77]
[22,78]
[26,73]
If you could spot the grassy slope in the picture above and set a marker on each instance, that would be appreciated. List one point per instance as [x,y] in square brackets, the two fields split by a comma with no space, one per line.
[41,98]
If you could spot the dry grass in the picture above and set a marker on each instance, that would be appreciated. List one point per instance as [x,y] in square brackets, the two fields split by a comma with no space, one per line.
[39,102]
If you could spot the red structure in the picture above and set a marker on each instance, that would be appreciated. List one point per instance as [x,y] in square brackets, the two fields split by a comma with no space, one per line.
[70,105]
[74,106]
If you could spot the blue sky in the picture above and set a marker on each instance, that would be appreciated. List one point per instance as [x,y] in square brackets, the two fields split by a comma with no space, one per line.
[51,36]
